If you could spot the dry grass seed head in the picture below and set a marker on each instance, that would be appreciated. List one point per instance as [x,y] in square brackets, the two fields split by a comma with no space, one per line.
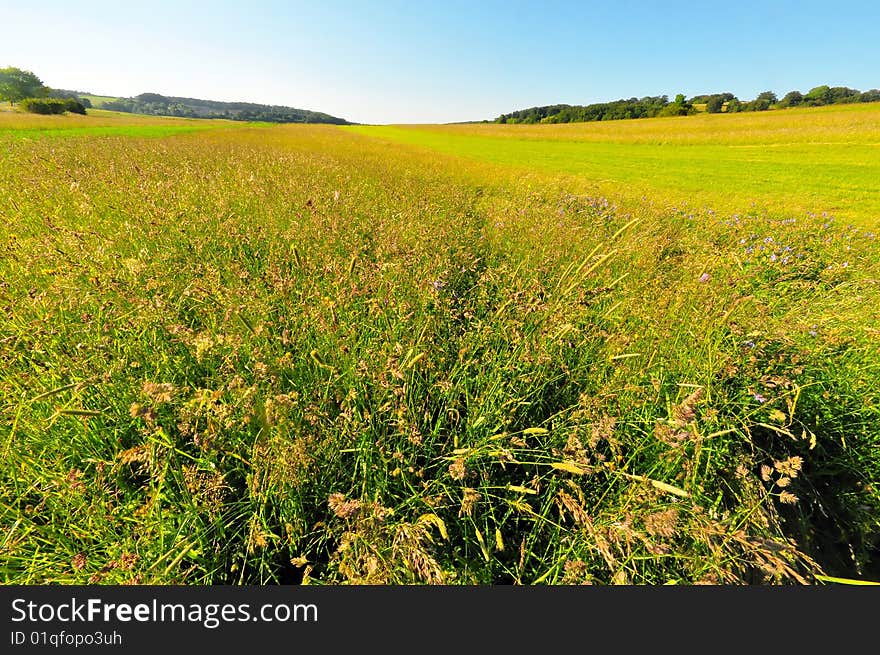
[158,392]
[469,499]
[603,429]
[662,524]
[670,436]
[685,412]
[577,512]
[343,508]
[458,469]
[789,467]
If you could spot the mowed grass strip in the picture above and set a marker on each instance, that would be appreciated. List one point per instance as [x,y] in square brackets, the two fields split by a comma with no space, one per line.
[791,162]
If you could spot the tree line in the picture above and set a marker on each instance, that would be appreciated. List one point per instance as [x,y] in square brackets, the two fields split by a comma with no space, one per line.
[654,106]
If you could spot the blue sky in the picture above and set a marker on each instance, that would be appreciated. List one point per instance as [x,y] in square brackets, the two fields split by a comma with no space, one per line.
[409,62]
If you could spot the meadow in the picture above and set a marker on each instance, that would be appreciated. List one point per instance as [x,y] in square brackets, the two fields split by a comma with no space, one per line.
[447,354]
[798,160]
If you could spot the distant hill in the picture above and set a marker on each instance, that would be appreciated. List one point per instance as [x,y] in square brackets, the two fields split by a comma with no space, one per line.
[86,97]
[154,104]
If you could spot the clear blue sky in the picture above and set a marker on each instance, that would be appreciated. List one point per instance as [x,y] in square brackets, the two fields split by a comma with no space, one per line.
[406,62]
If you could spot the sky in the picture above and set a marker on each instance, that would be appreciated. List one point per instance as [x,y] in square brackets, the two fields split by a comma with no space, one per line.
[435,62]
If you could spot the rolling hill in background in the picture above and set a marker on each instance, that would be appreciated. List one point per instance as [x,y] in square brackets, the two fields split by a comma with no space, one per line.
[154,104]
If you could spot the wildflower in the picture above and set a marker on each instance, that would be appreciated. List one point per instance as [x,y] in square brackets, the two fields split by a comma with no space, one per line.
[749,344]
[773,257]
[704,277]
[768,240]
[760,398]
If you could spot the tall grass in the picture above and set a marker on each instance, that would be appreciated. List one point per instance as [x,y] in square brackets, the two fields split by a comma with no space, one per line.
[298,354]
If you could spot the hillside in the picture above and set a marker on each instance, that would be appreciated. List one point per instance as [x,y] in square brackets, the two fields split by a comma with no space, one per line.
[154,104]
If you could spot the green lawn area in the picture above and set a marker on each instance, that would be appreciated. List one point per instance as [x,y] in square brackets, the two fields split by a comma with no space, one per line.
[788,178]
[98,101]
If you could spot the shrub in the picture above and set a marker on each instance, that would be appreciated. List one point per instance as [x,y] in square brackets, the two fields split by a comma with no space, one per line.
[75,106]
[52,105]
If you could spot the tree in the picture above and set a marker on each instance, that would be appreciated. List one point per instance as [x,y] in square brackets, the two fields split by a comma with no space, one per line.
[767,96]
[714,104]
[70,95]
[842,94]
[17,84]
[820,95]
[679,107]
[792,99]
[872,95]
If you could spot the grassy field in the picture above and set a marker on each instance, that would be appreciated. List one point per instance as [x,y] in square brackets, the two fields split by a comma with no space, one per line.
[785,163]
[331,355]
[99,122]
[98,101]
